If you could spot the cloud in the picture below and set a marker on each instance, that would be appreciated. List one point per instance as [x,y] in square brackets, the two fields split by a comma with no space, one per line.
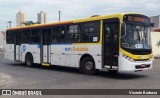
[73,9]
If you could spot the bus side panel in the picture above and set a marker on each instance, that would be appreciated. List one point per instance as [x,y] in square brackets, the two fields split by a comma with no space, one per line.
[58,54]
[92,49]
[9,51]
[33,49]
[63,55]
[72,58]
[70,55]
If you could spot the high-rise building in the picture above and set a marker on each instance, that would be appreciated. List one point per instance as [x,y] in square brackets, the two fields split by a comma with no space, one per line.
[20,18]
[156,21]
[42,17]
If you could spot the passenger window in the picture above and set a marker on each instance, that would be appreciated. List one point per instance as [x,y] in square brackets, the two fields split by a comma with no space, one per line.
[90,31]
[18,38]
[73,33]
[46,36]
[10,37]
[35,36]
[58,34]
[26,36]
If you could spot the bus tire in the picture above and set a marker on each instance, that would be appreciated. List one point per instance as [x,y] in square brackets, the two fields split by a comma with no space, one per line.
[29,60]
[88,66]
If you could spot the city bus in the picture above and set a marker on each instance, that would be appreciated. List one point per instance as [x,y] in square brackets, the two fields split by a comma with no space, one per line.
[116,42]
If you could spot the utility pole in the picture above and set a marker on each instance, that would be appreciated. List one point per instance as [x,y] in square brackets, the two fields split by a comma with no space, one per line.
[10,24]
[59,13]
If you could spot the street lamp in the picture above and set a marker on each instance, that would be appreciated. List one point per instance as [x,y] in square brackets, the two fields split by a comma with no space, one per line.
[10,22]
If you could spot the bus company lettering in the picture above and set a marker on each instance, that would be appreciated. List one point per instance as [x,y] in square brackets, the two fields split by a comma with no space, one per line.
[68,49]
[76,49]
[80,49]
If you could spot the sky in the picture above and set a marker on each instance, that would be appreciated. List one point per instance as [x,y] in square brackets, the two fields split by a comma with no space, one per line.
[72,9]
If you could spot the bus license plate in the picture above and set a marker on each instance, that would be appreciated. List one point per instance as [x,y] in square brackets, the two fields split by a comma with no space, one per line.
[143,65]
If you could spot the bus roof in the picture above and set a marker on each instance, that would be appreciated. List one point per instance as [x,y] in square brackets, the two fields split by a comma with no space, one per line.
[95,17]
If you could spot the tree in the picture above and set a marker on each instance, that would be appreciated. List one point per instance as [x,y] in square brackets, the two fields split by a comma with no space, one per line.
[27,23]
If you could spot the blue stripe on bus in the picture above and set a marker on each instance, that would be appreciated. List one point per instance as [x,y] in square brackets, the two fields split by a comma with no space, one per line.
[38,45]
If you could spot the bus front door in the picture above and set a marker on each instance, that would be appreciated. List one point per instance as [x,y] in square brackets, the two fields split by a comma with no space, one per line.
[110,45]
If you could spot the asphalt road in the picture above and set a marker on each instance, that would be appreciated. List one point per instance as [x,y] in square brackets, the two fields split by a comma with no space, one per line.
[17,76]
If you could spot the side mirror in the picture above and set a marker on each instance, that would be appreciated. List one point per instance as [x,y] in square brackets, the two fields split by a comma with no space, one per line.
[152,24]
[123,24]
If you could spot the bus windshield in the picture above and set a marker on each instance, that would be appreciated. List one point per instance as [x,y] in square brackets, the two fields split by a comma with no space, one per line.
[137,36]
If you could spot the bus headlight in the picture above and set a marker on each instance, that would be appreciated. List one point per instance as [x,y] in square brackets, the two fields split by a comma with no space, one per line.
[151,58]
[128,58]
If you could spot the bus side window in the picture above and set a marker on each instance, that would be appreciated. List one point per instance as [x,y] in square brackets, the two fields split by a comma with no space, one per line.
[54,39]
[35,36]
[58,34]
[26,36]
[18,37]
[62,34]
[10,37]
[73,33]
[46,36]
[90,31]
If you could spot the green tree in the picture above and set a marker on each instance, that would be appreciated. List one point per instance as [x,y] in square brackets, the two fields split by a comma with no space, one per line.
[27,23]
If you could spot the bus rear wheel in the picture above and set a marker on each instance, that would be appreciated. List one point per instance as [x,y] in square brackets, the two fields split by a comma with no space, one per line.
[88,66]
[29,60]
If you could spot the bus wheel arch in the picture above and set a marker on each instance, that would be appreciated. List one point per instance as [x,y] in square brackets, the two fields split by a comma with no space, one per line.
[87,64]
[29,59]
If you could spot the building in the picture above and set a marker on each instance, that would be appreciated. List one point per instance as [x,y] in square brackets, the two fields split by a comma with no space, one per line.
[42,17]
[156,21]
[20,16]
[155,38]
[2,40]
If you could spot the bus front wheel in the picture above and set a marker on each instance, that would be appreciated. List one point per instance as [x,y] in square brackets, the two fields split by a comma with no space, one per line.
[29,60]
[88,66]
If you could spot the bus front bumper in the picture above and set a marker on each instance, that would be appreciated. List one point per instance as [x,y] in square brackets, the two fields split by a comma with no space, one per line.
[126,65]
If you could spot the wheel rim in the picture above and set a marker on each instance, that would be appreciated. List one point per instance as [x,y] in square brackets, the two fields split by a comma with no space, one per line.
[89,65]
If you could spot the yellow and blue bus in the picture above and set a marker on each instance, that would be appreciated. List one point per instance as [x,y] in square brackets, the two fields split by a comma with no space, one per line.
[117,42]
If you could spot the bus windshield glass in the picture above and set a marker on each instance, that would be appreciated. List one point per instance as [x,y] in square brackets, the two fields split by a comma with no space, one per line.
[136,36]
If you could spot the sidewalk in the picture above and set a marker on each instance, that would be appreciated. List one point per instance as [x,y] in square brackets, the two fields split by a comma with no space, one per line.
[156,64]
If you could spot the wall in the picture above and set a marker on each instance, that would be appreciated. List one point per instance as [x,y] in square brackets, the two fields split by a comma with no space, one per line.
[155,38]
[2,39]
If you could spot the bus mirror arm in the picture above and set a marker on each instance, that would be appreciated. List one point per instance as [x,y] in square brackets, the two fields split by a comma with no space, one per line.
[124,31]
[152,24]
